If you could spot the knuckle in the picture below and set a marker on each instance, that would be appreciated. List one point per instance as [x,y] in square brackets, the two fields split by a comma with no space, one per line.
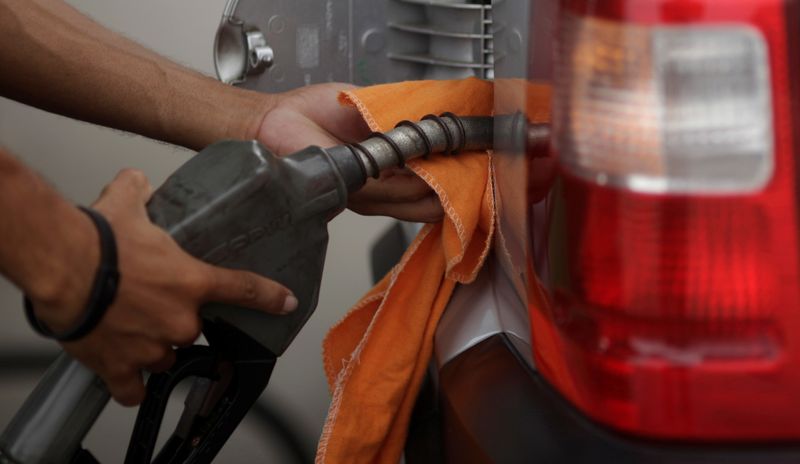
[154,353]
[212,281]
[186,330]
[133,174]
[128,174]
[247,288]
[197,282]
[421,190]
[135,177]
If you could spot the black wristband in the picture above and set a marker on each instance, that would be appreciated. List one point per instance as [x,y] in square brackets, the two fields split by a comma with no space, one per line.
[104,287]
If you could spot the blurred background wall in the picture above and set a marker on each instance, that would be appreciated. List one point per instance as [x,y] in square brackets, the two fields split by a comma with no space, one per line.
[79,159]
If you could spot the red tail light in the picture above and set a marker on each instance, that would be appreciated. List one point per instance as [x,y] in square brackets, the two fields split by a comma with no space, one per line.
[675,310]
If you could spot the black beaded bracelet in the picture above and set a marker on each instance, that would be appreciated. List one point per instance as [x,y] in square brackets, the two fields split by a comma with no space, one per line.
[104,287]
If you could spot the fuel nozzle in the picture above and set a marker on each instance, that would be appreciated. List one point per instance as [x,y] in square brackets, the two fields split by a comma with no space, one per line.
[237,205]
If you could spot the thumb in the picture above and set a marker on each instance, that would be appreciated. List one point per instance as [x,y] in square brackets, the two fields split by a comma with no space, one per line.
[242,288]
[131,184]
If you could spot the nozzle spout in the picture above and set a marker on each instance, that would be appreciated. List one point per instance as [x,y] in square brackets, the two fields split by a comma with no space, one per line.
[448,134]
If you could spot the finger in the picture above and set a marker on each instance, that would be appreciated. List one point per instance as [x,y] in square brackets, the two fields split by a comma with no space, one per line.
[249,290]
[133,183]
[127,388]
[346,124]
[185,330]
[349,125]
[428,209]
[398,188]
[164,363]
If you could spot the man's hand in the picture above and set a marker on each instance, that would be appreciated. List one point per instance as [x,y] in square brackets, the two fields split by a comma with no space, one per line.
[163,100]
[161,289]
[313,116]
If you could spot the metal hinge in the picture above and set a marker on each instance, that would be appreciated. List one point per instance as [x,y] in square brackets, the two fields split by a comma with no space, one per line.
[240,51]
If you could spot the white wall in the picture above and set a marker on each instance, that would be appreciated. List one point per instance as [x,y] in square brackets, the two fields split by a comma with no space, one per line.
[79,159]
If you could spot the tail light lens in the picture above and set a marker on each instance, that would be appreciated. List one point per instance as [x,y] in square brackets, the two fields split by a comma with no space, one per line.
[666,109]
[675,310]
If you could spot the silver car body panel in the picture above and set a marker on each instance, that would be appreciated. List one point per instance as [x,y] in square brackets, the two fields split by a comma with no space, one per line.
[488,306]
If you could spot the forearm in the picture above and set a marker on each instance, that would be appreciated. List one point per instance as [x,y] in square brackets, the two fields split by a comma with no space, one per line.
[44,240]
[66,63]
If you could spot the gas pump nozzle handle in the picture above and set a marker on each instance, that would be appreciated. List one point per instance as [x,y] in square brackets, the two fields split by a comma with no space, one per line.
[235,205]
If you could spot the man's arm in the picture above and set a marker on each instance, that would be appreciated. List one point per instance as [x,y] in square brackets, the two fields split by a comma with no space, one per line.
[66,63]
[55,58]
[50,250]
[46,247]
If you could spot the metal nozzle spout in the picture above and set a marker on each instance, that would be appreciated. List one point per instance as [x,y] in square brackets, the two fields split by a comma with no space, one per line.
[447,133]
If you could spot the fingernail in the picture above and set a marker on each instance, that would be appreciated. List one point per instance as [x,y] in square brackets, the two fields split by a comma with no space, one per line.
[289,304]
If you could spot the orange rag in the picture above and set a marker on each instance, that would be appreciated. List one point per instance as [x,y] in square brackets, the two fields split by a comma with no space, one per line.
[375,359]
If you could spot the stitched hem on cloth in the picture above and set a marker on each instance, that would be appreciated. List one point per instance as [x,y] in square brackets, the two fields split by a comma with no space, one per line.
[344,374]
